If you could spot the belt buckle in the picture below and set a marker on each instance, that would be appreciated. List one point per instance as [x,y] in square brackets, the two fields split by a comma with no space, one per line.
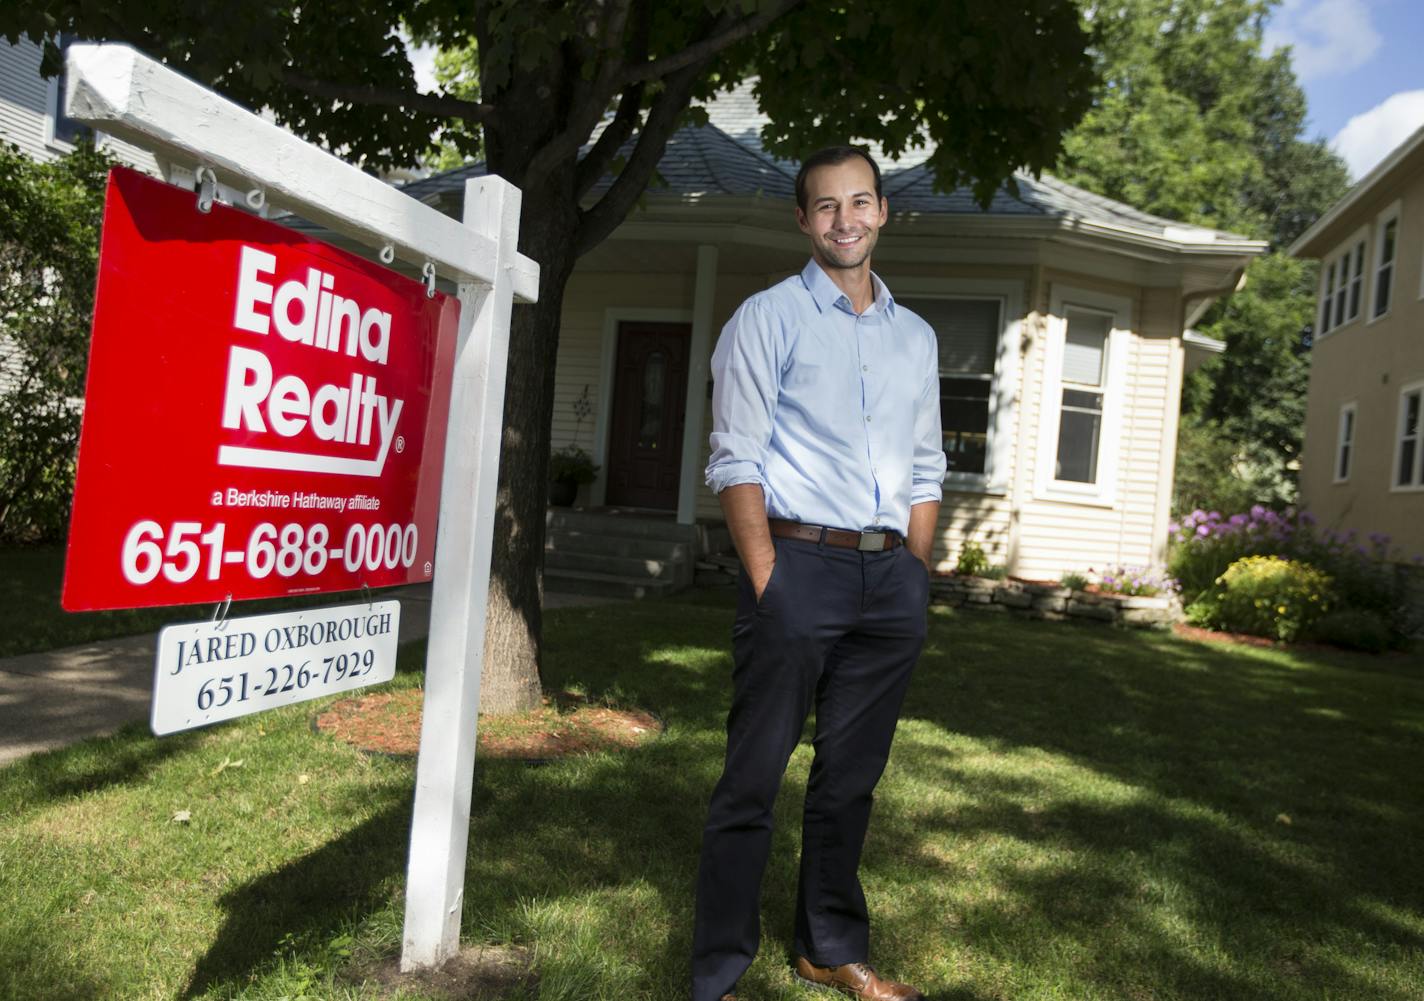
[872,542]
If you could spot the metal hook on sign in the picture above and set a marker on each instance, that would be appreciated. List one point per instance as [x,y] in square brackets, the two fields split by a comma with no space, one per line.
[370,598]
[429,272]
[207,188]
[256,198]
[388,253]
[220,613]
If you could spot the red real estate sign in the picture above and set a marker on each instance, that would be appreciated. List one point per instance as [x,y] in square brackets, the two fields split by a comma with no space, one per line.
[265,414]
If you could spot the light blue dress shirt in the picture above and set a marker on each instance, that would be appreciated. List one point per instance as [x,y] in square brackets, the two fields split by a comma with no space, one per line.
[835,415]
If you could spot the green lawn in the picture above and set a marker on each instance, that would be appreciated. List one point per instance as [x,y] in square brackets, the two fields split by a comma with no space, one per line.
[31,619]
[1070,813]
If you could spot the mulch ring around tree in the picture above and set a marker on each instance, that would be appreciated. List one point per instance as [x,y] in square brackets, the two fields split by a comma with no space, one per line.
[566,724]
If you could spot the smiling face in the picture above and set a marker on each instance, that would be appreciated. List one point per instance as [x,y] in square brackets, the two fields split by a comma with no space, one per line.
[842,215]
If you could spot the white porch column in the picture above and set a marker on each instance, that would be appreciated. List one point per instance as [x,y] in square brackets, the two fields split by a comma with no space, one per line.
[699,355]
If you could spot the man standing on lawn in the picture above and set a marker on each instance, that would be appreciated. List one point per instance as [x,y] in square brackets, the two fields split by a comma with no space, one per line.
[827,460]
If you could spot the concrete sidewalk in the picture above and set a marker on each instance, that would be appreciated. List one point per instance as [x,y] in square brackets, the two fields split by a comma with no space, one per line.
[52,699]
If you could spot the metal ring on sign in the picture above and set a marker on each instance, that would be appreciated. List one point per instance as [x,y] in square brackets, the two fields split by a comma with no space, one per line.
[207,188]
[388,253]
[256,198]
[429,272]
[220,613]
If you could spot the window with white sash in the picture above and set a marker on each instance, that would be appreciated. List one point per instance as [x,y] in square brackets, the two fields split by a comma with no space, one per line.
[1084,378]
[1342,279]
[975,324]
[1345,442]
[1408,450]
[1386,247]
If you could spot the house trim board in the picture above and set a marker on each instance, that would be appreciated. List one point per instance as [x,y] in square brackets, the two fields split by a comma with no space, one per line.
[699,353]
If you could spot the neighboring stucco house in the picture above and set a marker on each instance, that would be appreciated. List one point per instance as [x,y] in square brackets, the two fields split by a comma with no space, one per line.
[1060,315]
[1362,466]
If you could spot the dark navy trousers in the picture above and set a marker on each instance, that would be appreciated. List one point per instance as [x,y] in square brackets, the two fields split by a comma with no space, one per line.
[839,630]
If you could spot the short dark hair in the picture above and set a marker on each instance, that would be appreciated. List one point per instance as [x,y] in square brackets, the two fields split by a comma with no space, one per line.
[829,157]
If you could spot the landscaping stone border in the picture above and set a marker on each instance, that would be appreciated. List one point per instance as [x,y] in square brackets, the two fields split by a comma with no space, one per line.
[1052,601]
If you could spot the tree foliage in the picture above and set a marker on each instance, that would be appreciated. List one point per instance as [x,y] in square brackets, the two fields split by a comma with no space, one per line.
[570,92]
[48,256]
[1196,123]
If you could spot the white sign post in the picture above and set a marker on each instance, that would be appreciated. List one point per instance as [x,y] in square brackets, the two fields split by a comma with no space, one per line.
[189,127]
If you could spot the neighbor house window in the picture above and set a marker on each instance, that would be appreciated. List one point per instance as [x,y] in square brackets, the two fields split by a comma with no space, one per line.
[61,129]
[1384,258]
[1409,458]
[1342,286]
[968,333]
[1345,443]
[1080,421]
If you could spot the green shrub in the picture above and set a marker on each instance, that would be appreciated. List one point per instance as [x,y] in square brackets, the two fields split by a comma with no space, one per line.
[1353,629]
[972,561]
[1363,571]
[1265,596]
[49,239]
[1074,582]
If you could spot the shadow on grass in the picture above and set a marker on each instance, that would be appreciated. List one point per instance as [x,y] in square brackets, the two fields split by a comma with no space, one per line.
[127,757]
[1146,859]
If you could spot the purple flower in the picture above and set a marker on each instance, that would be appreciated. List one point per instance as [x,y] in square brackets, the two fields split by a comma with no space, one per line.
[1203,531]
[1306,518]
[1258,511]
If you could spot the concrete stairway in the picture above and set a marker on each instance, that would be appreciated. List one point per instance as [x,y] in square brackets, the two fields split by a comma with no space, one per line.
[617,554]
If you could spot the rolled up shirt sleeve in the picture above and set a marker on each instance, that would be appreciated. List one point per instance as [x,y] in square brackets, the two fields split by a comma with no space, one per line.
[929,463]
[746,375]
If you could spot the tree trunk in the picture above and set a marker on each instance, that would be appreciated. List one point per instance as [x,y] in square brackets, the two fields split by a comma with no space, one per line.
[514,623]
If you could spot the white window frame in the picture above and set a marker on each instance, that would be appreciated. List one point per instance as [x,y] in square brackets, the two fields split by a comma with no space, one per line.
[1103,492]
[1342,257]
[1352,411]
[1418,445]
[1391,214]
[997,473]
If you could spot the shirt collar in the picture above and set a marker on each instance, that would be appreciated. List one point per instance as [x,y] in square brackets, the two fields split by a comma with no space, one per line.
[828,294]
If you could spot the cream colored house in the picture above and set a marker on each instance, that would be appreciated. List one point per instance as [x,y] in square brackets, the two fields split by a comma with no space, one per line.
[1063,322]
[1362,467]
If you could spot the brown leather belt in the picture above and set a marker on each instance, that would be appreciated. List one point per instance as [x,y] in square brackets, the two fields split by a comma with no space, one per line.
[869,542]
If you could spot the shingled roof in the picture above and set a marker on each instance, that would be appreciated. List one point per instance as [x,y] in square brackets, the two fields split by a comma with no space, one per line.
[726,158]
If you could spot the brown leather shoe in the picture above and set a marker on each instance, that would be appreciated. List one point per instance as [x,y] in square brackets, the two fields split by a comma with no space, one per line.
[729,997]
[857,980]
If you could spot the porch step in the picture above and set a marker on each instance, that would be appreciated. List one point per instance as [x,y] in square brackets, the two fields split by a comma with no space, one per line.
[617,554]
[614,545]
[659,566]
[622,525]
[604,584]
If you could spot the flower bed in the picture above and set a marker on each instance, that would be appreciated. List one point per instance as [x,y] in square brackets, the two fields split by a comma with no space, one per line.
[1051,600]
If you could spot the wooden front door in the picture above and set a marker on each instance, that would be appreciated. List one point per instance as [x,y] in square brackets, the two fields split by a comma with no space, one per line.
[649,406]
